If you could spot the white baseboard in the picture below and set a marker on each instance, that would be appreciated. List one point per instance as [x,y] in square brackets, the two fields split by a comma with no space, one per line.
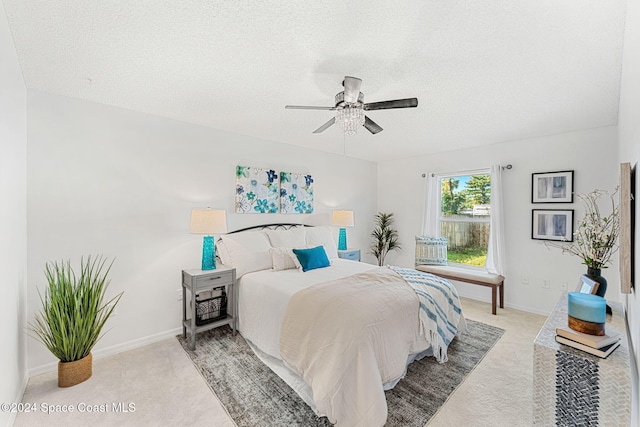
[514,306]
[18,398]
[110,351]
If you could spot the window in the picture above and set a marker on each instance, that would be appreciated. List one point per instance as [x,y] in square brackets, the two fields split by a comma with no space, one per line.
[464,216]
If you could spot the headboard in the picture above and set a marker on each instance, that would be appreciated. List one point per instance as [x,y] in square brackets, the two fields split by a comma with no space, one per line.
[267,246]
[274,226]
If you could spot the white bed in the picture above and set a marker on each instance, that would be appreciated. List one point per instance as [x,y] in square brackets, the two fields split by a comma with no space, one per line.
[263,297]
[266,285]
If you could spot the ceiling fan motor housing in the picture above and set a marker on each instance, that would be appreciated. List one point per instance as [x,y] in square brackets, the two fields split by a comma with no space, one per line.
[340,102]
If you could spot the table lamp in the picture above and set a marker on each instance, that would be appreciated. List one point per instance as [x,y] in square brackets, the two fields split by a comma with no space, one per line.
[208,222]
[342,219]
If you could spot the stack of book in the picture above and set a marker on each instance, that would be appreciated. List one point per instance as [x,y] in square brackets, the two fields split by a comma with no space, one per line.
[600,346]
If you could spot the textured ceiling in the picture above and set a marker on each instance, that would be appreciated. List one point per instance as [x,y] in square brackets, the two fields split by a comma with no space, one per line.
[483,71]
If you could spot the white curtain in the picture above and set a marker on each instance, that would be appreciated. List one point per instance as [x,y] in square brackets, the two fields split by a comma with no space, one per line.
[495,256]
[432,204]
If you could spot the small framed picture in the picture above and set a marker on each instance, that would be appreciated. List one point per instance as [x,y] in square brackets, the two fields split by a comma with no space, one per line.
[552,187]
[587,286]
[552,224]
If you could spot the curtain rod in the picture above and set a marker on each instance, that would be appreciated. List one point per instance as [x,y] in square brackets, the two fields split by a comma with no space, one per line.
[509,166]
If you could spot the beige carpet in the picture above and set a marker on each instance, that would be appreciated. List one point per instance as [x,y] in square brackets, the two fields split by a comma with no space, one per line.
[166,389]
[499,391]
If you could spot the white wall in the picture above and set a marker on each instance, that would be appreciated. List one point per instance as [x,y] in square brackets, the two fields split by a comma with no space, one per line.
[13,213]
[591,154]
[629,134]
[104,180]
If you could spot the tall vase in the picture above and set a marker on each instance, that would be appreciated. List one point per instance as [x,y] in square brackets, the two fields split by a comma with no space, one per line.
[594,274]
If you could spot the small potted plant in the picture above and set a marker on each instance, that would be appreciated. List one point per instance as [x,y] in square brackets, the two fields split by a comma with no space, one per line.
[386,238]
[596,237]
[73,314]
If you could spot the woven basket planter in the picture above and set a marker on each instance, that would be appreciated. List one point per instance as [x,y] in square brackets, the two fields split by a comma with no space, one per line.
[72,373]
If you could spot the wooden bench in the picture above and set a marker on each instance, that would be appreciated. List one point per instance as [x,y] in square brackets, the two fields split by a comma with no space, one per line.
[494,281]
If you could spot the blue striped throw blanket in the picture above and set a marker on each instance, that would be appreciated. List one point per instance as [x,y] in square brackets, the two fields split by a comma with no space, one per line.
[440,308]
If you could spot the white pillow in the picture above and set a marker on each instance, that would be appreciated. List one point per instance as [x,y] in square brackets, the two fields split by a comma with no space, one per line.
[317,236]
[292,238]
[222,252]
[247,251]
[283,259]
[431,250]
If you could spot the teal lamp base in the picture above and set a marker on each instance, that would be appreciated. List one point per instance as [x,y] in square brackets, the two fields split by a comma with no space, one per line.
[342,239]
[208,254]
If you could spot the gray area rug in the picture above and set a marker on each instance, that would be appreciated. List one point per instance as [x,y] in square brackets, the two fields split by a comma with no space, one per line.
[255,396]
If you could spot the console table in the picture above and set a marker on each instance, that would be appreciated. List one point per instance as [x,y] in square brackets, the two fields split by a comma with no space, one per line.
[571,387]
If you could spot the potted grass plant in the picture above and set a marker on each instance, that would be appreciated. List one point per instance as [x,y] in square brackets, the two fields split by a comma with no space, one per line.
[74,311]
[385,237]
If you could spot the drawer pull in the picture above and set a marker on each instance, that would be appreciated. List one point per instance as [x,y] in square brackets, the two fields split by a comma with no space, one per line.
[215,278]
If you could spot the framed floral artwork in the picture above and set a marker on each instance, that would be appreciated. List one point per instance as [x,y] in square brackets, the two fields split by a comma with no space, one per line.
[256,190]
[296,193]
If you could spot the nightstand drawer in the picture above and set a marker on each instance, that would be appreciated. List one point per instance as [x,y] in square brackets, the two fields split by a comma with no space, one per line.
[213,279]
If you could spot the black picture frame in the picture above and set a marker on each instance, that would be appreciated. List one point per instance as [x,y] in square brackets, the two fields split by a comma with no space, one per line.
[552,187]
[552,224]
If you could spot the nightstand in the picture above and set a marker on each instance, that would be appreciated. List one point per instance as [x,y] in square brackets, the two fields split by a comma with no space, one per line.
[350,254]
[222,283]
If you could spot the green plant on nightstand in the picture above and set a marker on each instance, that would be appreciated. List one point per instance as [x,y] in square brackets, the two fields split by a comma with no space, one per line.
[385,237]
[73,314]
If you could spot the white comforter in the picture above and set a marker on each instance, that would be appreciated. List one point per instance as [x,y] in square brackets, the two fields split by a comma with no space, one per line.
[264,295]
[376,348]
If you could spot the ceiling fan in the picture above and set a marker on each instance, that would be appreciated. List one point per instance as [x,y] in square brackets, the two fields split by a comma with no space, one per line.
[350,108]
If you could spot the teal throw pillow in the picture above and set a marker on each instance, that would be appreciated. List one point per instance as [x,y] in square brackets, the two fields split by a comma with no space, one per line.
[312,258]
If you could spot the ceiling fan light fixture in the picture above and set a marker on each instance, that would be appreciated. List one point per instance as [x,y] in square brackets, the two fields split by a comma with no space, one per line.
[350,108]
[350,119]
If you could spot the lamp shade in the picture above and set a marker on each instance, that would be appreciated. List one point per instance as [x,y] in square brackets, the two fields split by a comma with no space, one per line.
[341,218]
[208,221]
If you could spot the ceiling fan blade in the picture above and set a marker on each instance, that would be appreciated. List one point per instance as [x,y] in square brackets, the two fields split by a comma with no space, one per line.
[351,89]
[371,126]
[396,103]
[325,126]
[307,107]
